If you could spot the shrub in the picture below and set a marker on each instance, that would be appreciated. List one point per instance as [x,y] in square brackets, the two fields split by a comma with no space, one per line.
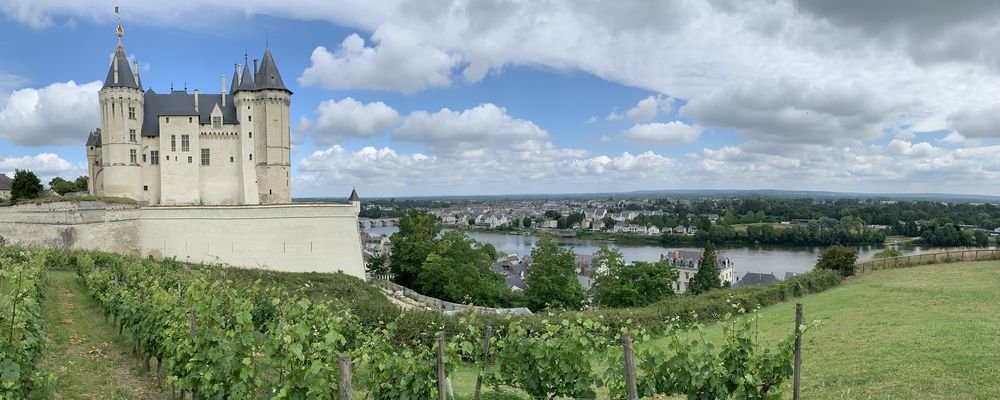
[838,258]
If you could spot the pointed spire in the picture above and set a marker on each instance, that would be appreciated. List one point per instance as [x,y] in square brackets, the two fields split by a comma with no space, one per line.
[236,78]
[246,79]
[268,76]
[354,195]
[120,73]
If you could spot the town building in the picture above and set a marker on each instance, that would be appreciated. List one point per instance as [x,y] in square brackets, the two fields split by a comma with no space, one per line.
[180,148]
[5,187]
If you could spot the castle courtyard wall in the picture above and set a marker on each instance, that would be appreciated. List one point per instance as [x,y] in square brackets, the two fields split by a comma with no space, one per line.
[291,237]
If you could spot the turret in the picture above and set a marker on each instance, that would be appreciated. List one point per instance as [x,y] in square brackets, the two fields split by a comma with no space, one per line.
[121,102]
[272,121]
[355,200]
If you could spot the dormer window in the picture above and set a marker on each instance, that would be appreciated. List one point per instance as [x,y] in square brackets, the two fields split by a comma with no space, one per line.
[216,122]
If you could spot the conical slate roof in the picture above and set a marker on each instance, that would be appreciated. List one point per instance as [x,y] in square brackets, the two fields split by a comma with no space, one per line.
[354,194]
[236,79]
[125,77]
[267,74]
[246,80]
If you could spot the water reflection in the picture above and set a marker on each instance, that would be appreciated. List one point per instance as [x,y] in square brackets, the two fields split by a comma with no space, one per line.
[778,260]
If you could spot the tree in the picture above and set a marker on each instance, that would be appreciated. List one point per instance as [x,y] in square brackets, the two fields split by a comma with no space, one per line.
[82,183]
[25,185]
[551,278]
[411,245]
[459,271]
[376,264]
[707,277]
[619,285]
[526,222]
[838,258]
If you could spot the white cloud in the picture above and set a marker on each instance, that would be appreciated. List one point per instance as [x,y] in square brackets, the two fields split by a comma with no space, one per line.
[399,62]
[58,114]
[903,148]
[337,120]
[471,132]
[44,165]
[647,108]
[590,120]
[615,116]
[673,132]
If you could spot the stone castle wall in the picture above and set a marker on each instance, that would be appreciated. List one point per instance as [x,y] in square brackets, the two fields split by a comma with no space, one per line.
[293,237]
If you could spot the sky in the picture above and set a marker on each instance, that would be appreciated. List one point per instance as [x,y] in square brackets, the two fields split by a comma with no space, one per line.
[450,97]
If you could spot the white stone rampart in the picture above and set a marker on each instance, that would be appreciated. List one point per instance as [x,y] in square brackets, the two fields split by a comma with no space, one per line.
[289,237]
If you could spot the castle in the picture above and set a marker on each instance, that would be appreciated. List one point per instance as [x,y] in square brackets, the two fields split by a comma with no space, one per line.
[210,176]
[180,148]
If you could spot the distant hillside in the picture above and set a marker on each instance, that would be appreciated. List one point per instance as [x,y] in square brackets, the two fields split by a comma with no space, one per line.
[738,193]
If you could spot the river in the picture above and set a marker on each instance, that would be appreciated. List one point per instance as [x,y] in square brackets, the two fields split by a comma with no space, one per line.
[775,259]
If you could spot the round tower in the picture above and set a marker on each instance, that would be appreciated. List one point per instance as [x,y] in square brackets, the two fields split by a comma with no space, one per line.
[121,103]
[272,121]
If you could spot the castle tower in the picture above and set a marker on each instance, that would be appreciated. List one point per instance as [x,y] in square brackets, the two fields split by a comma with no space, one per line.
[355,200]
[121,103]
[244,98]
[272,121]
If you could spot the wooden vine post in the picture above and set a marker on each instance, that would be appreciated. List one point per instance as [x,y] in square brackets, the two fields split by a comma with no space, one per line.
[442,385]
[486,352]
[797,371]
[344,383]
[630,388]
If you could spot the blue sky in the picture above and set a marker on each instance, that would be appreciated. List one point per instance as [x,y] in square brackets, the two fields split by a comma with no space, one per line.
[496,97]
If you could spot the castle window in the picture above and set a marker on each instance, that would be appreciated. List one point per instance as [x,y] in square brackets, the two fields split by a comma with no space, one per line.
[231,159]
[205,157]
[190,160]
[185,143]
[251,157]
[168,120]
[131,113]
[249,118]
[143,157]
[217,122]
[145,188]
[173,142]
[131,135]
[190,120]
[251,135]
[131,155]
[154,157]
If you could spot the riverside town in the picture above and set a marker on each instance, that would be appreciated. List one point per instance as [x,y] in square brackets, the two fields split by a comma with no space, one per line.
[504,200]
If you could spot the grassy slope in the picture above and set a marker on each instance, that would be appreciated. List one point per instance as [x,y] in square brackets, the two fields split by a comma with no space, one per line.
[88,357]
[929,332]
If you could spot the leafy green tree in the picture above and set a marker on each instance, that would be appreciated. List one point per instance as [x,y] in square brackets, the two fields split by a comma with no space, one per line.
[82,183]
[411,245]
[377,264]
[526,222]
[617,284]
[707,277]
[609,223]
[551,279]
[459,271]
[838,258]
[25,185]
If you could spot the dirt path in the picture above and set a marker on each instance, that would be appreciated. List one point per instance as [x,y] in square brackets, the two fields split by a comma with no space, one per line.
[88,357]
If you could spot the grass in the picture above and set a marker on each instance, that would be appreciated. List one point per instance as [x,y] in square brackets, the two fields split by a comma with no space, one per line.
[88,358]
[929,332]
[77,199]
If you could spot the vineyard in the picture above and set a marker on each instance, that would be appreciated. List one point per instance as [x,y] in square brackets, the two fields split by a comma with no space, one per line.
[211,333]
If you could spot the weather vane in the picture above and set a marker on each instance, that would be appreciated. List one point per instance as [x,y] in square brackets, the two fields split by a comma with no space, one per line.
[120,31]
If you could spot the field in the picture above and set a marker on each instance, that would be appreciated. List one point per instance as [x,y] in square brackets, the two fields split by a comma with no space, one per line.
[927,332]
[930,332]
[743,227]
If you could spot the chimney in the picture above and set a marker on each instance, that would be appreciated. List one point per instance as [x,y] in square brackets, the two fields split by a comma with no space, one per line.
[223,90]
[196,101]
[136,76]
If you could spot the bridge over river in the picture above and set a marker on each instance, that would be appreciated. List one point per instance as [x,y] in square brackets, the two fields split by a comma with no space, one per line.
[377,222]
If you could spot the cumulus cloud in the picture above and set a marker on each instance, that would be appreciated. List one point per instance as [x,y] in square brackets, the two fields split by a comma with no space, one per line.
[903,148]
[673,132]
[347,118]
[471,132]
[647,108]
[44,165]
[399,61]
[58,114]
[977,123]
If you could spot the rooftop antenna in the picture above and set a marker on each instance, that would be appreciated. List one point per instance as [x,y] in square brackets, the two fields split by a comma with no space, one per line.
[267,37]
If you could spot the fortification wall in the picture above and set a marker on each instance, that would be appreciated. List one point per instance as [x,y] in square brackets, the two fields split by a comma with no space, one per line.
[291,237]
[83,225]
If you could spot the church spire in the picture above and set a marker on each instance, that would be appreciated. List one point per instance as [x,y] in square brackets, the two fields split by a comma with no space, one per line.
[120,73]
